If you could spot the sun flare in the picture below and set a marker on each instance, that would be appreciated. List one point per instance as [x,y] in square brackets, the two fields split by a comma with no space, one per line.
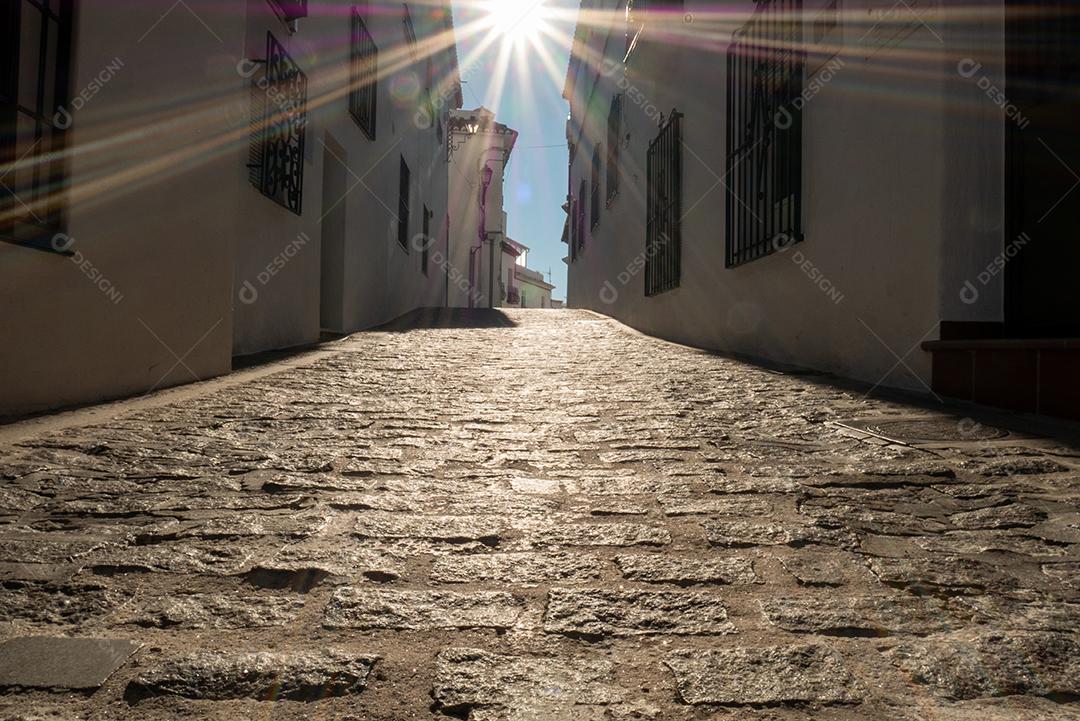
[517,21]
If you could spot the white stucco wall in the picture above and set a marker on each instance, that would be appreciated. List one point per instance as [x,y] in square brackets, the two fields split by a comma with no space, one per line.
[151,218]
[163,216]
[883,195]
[381,279]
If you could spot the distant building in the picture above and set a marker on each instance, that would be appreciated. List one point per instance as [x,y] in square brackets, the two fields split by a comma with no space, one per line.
[883,190]
[523,287]
[479,150]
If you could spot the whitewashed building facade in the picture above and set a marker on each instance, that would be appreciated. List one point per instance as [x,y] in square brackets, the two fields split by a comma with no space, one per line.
[480,150]
[186,184]
[880,190]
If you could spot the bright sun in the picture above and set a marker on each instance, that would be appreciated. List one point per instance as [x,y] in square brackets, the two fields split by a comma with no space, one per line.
[517,20]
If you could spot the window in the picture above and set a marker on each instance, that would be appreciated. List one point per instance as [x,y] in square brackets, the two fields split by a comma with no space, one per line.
[278,129]
[364,76]
[764,134]
[594,217]
[290,10]
[614,140]
[404,187]
[580,219]
[663,231]
[425,252]
[35,69]
[571,227]
[407,25]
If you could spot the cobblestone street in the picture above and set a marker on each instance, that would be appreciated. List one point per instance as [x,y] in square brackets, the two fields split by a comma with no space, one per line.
[553,518]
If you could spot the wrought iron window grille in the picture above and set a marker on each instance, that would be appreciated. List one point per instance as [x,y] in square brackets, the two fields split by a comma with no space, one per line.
[663,228]
[581,218]
[404,189]
[614,143]
[408,28]
[765,69]
[278,128]
[364,75]
[594,221]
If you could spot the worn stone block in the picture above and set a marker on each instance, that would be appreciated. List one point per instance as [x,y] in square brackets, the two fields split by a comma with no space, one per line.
[763,675]
[421,610]
[264,676]
[859,615]
[993,664]
[519,568]
[601,534]
[451,529]
[223,611]
[741,534]
[656,568]
[713,505]
[597,613]
[479,684]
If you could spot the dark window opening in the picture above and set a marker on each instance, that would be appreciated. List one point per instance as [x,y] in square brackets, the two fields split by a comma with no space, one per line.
[425,252]
[594,218]
[764,134]
[407,25]
[614,140]
[580,218]
[364,76]
[663,231]
[278,129]
[35,73]
[404,187]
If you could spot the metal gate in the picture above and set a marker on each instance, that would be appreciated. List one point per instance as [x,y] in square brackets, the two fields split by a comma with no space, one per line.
[764,133]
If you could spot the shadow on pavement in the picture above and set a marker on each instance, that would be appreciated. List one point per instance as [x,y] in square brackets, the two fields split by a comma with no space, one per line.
[448,318]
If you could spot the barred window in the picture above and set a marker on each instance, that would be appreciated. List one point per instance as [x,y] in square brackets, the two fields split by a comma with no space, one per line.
[404,188]
[408,28]
[35,71]
[572,228]
[764,134]
[364,76]
[581,218]
[614,140]
[594,220]
[278,128]
[663,233]
[425,251]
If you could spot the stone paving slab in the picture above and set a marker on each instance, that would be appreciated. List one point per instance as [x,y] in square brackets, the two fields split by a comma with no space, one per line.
[263,676]
[419,610]
[763,675]
[62,663]
[588,524]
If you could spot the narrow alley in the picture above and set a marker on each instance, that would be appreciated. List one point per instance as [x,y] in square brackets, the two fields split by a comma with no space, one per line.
[535,515]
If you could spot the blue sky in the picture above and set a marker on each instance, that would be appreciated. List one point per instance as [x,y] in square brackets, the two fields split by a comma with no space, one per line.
[531,103]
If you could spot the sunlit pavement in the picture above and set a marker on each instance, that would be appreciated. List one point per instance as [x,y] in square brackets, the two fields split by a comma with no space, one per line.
[547,516]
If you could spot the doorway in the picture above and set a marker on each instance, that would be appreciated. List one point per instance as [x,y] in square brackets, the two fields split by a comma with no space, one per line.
[332,275]
[1042,245]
